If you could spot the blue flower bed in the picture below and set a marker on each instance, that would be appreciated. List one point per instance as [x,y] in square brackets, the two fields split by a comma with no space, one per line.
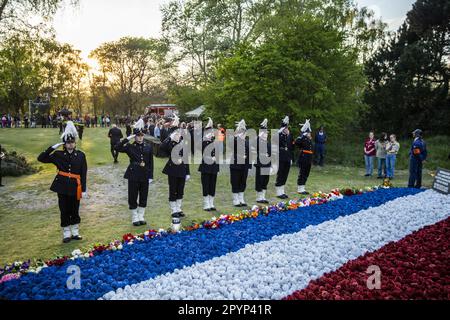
[145,260]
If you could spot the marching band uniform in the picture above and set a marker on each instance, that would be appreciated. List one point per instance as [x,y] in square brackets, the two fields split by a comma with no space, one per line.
[304,143]
[239,166]
[417,155]
[178,172]
[261,181]
[139,173]
[285,159]
[69,183]
[209,169]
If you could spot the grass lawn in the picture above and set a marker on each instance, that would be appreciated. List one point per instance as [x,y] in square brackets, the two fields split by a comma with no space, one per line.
[29,216]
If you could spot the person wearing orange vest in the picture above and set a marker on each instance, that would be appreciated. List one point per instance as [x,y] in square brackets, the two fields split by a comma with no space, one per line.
[70,181]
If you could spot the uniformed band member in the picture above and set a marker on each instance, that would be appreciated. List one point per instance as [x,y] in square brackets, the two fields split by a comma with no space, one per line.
[262,180]
[209,168]
[239,165]
[139,172]
[176,169]
[286,149]
[417,155]
[70,181]
[304,143]
[114,135]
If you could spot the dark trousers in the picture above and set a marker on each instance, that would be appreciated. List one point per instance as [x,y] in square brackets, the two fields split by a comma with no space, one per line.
[137,189]
[319,154]
[283,173]
[209,181]
[69,207]
[238,179]
[415,173]
[176,188]
[114,153]
[261,181]
[304,169]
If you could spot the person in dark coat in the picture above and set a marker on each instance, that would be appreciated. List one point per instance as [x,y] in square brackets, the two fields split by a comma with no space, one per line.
[114,135]
[262,164]
[139,172]
[417,155]
[319,140]
[70,181]
[240,164]
[209,168]
[176,168]
[286,150]
[304,143]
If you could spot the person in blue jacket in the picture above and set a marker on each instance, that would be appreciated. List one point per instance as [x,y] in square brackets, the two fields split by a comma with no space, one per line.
[417,155]
[319,141]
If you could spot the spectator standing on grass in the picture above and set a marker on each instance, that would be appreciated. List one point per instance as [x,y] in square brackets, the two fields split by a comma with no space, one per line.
[380,146]
[319,143]
[417,155]
[369,153]
[392,148]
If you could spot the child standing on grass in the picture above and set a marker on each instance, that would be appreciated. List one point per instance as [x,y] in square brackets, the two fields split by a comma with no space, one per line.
[380,147]
[369,153]
[392,148]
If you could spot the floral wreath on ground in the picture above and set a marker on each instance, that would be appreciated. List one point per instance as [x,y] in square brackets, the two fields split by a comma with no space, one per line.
[16,269]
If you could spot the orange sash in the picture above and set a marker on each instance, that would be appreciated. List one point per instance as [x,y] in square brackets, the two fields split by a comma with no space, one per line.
[73,176]
[416,151]
[308,152]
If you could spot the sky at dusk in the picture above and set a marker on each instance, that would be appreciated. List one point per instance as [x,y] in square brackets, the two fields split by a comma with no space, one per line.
[94,22]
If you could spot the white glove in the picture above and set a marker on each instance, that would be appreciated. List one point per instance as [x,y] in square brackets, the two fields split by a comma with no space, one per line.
[175,136]
[84,195]
[150,181]
[131,137]
[56,146]
[188,177]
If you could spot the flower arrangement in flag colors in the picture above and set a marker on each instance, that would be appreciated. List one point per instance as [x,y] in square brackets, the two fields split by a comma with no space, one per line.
[298,249]
[416,267]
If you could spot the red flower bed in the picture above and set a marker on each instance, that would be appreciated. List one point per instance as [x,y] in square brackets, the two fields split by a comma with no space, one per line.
[416,267]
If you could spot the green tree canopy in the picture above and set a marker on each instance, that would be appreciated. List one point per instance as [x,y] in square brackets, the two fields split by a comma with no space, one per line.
[304,70]
[409,75]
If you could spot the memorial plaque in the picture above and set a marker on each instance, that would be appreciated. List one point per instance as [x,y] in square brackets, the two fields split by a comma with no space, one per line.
[442,181]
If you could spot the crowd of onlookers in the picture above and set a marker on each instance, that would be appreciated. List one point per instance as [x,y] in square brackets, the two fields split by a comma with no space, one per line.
[385,150]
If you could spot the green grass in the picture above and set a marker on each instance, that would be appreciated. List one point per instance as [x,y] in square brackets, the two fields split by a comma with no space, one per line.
[29,217]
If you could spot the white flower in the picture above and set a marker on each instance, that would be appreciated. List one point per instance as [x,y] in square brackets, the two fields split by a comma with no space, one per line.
[119,247]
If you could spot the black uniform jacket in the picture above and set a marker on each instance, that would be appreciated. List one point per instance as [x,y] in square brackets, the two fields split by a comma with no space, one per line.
[137,153]
[286,147]
[74,163]
[115,134]
[212,168]
[306,149]
[180,169]
[268,151]
[240,160]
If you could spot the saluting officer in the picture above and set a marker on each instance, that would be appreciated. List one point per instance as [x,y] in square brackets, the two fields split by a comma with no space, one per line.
[209,168]
[304,143]
[262,178]
[139,172]
[286,149]
[240,164]
[177,169]
[70,181]
[417,155]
